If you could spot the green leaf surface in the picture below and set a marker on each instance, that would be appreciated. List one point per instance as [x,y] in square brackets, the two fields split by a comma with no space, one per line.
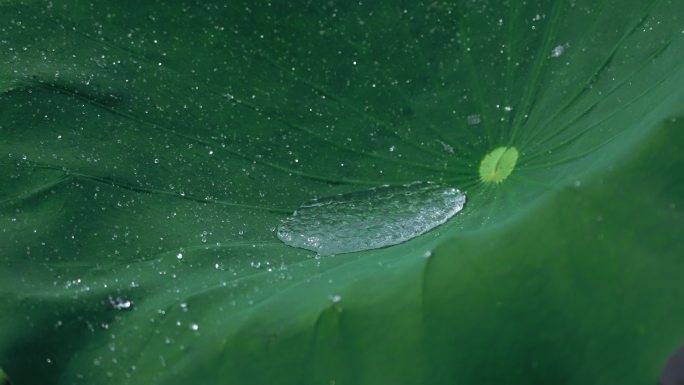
[148,151]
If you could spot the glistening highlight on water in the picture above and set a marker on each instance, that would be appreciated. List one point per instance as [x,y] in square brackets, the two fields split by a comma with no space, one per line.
[370,219]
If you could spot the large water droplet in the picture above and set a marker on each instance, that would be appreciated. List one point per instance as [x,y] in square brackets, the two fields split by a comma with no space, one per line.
[370,219]
[673,372]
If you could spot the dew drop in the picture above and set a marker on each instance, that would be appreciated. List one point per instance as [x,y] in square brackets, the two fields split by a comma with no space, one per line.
[370,219]
[559,50]
[473,120]
[120,303]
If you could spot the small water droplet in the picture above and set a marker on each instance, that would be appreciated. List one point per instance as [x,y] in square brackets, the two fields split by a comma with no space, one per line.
[474,119]
[447,147]
[370,219]
[559,50]
[120,303]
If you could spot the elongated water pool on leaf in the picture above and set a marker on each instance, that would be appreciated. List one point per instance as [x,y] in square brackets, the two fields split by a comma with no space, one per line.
[370,219]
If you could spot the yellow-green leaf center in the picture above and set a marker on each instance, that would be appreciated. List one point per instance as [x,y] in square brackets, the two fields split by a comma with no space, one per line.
[498,164]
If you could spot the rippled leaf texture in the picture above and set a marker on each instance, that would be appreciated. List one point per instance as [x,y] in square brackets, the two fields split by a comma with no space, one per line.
[149,149]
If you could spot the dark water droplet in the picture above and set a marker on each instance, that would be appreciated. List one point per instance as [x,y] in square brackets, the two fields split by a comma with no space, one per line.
[673,372]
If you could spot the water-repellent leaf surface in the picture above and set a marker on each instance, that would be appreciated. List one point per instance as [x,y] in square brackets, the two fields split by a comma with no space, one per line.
[149,150]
